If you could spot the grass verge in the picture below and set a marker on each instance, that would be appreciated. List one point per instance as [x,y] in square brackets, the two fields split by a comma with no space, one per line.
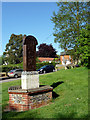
[70,96]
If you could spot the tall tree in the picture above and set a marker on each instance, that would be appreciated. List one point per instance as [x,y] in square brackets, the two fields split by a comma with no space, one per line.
[13,52]
[46,51]
[68,21]
[1,60]
[83,46]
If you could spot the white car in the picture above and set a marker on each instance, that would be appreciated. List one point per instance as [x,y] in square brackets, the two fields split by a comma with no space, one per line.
[15,73]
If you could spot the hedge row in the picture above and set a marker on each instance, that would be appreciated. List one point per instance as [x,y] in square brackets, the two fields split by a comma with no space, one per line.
[39,65]
[6,68]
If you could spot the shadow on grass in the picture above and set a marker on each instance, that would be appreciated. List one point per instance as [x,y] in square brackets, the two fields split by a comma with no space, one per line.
[54,85]
[54,95]
[14,116]
[71,116]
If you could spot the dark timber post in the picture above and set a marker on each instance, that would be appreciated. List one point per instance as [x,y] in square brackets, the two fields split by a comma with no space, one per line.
[29,53]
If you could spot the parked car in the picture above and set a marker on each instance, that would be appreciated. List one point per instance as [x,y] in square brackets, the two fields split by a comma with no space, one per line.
[46,69]
[15,73]
[77,65]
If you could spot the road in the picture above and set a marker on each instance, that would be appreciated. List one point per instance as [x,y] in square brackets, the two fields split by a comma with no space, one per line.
[8,79]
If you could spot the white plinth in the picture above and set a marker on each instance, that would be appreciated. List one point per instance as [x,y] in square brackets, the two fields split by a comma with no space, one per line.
[30,80]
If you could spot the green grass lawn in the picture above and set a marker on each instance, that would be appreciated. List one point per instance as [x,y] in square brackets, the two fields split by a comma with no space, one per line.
[70,96]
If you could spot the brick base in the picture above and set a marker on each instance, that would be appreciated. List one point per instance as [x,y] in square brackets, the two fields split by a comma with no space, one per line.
[23,100]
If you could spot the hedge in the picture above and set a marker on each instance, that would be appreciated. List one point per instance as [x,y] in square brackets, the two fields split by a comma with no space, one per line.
[39,65]
[7,68]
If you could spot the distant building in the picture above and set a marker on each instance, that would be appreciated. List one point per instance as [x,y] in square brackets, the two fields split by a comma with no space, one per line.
[45,59]
[65,58]
[7,55]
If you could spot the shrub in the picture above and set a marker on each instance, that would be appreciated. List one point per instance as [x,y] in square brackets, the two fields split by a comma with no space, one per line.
[7,68]
[39,65]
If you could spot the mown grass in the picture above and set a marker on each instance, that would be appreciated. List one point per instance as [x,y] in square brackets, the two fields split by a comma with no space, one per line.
[70,96]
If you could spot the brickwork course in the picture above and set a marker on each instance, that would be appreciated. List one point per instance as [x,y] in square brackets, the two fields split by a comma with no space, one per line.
[20,100]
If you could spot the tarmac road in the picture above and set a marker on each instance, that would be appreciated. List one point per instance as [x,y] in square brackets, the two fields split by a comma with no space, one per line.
[6,79]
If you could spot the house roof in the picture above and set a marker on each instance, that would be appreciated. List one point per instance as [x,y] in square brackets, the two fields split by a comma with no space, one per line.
[45,59]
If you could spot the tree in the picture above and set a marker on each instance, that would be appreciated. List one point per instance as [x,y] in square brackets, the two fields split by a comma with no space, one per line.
[46,51]
[1,60]
[13,52]
[69,20]
[83,46]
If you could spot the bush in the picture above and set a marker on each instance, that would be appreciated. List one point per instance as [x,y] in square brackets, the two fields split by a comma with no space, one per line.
[39,65]
[7,68]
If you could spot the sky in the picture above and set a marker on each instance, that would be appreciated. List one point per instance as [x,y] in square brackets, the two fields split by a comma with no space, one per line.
[30,18]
